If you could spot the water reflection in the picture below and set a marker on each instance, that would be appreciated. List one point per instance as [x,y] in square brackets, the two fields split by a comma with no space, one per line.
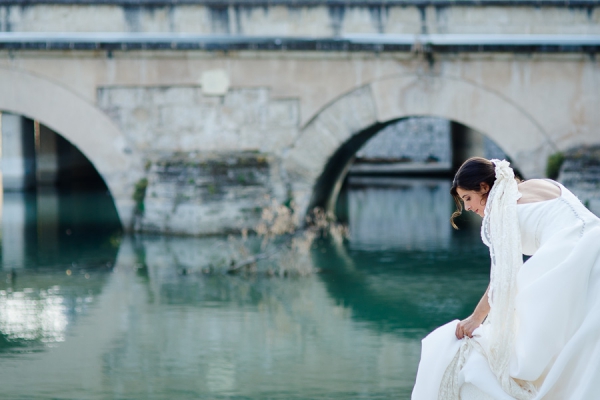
[155,324]
[51,226]
[404,269]
[25,316]
[257,337]
[54,260]
[398,213]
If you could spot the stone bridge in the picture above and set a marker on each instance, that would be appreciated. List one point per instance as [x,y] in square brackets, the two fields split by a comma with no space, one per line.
[195,112]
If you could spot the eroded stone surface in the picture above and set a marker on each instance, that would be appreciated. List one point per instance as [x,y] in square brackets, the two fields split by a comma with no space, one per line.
[208,193]
[183,118]
[580,172]
[299,20]
[531,105]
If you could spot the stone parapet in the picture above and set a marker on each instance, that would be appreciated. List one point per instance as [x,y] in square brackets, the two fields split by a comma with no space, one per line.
[331,18]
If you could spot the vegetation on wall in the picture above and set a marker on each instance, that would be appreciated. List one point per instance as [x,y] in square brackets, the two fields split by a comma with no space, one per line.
[555,161]
[139,194]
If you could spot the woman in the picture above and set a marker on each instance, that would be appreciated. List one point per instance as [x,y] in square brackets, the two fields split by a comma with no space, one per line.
[535,334]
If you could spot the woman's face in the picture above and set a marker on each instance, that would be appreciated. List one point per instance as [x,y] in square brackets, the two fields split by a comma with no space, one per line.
[474,200]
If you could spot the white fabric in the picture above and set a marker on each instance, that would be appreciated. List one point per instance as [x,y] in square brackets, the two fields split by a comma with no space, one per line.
[500,232]
[556,345]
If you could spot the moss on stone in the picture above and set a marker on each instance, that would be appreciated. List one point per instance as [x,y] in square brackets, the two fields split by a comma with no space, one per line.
[212,188]
[139,194]
[553,165]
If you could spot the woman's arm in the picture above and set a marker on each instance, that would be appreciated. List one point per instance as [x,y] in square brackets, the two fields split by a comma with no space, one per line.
[467,326]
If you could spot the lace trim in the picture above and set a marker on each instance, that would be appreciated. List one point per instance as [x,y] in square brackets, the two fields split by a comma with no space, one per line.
[450,386]
[501,233]
[583,224]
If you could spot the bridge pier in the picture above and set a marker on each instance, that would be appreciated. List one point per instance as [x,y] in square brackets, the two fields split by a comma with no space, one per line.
[18,153]
[47,157]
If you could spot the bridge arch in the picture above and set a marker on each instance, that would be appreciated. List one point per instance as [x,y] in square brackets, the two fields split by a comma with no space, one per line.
[326,144]
[82,124]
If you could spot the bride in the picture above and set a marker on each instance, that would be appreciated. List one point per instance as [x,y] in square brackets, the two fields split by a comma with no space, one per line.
[535,333]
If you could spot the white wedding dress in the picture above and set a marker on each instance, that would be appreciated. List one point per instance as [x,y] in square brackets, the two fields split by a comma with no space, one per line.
[557,345]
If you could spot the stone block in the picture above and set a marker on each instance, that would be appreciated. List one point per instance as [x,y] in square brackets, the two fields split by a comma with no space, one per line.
[314,147]
[350,115]
[121,97]
[215,82]
[283,113]
[246,106]
[182,118]
[175,95]
[271,140]
[177,117]
[301,169]
[208,193]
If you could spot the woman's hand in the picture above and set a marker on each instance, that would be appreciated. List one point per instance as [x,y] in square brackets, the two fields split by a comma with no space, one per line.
[467,326]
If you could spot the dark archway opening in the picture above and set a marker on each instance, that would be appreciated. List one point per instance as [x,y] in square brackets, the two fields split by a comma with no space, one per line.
[389,149]
[56,208]
[390,183]
[331,180]
[402,253]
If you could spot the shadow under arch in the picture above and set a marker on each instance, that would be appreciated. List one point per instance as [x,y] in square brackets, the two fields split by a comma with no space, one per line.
[81,123]
[329,183]
[328,138]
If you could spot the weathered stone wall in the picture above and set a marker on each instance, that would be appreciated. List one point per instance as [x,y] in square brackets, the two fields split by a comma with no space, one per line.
[580,172]
[123,111]
[212,161]
[127,108]
[299,20]
[184,118]
[207,193]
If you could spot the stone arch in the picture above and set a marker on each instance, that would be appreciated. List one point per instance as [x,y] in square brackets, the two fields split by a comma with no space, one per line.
[328,141]
[82,124]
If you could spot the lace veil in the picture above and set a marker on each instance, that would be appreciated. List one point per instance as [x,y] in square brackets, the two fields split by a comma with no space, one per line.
[500,232]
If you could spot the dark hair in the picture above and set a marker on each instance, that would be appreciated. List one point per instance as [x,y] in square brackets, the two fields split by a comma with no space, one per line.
[471,174]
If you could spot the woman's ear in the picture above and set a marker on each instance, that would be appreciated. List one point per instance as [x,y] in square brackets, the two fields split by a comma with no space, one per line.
[484,187]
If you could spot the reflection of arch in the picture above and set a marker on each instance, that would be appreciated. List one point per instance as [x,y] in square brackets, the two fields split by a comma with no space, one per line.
[421,291]
[81,123]
[353,118]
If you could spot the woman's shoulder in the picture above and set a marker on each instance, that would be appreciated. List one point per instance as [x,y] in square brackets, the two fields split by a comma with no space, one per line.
[536,190]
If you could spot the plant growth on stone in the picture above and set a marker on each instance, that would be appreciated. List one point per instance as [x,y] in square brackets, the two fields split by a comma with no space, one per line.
[284,249]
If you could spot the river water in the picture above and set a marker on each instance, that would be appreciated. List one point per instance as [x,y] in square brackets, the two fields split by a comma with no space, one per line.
[88,313]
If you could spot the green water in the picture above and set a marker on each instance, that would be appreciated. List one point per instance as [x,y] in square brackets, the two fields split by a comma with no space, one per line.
[88,314]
